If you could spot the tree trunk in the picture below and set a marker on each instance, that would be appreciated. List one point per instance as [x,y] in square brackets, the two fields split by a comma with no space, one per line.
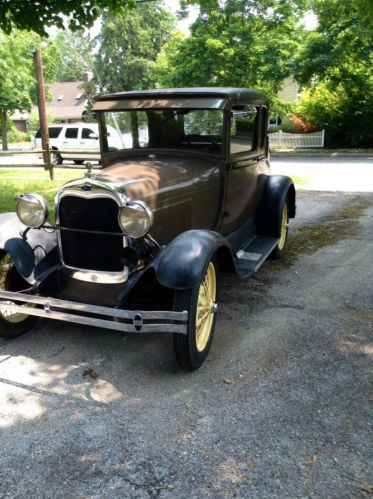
[4,129]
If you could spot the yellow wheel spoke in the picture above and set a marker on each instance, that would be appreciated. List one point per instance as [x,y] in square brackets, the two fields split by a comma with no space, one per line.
[202,319]
[204,313]
[204,307]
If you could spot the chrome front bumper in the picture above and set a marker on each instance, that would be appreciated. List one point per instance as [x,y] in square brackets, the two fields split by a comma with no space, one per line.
[129,321]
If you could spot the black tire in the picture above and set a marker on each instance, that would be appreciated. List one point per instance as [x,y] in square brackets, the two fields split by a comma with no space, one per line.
[10,280]
[189,354]
[78,161]
[56,158]
[278,251]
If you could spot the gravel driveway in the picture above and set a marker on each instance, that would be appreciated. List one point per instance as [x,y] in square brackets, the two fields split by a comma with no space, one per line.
[280,409]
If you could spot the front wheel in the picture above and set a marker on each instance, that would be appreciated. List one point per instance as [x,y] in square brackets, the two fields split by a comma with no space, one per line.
[201,303]
[12,324]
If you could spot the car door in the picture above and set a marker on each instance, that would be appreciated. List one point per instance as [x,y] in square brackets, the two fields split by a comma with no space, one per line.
[88,141]
[70,140]
[248,167]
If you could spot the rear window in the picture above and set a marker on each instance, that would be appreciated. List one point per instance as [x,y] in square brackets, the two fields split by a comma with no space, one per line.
[243,128]
[71,133]
[54,132]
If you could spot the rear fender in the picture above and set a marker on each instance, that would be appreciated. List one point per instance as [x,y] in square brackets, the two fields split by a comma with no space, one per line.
[278,189]
[182,263]
[28,253]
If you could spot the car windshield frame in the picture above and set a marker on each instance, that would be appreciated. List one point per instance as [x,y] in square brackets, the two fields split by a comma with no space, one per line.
[155,139]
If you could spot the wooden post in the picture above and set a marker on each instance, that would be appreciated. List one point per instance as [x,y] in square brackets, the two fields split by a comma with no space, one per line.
[43,112]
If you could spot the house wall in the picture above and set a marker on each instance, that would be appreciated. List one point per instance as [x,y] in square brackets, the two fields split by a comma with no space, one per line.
[289,90]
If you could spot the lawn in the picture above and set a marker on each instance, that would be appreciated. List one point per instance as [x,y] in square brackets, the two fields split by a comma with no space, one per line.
[20,181]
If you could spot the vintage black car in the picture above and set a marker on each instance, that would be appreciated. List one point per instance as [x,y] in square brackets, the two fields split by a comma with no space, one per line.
[138,246]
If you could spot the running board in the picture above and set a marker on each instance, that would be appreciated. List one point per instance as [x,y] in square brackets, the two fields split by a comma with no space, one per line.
[250,258]
[129,321]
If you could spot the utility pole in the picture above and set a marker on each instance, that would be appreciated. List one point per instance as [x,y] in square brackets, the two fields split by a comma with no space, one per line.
[43,112]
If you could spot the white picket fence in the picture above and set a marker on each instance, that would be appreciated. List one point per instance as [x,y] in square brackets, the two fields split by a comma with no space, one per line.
[283,139]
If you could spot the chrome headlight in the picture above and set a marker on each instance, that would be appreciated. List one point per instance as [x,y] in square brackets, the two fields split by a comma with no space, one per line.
[32,210]
[136,219]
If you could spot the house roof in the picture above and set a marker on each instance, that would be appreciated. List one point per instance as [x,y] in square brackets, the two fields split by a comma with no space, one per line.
[68,100]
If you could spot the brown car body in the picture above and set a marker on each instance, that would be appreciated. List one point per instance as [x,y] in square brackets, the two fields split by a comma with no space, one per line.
[193,166]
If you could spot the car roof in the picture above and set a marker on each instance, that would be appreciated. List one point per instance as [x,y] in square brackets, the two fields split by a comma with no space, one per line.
[69,125]
[185,96]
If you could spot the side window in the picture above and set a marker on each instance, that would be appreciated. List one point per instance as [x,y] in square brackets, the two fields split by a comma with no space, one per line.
[243,129]
[71,133]
[53,132]
[86,132]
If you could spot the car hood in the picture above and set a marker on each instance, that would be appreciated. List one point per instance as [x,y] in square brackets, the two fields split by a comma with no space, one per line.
[149,179]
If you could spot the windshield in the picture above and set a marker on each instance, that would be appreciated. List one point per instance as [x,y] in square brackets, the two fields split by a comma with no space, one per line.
[195,129]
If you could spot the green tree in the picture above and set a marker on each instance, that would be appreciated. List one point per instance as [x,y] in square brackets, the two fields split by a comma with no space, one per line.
[37,16]
[235,43]
[16,75]
[128,46]
[335,65]
[68,56]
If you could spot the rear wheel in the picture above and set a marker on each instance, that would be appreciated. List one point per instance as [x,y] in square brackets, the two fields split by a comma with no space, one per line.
[12,324]
[56,158]
[201,304]
[279,249]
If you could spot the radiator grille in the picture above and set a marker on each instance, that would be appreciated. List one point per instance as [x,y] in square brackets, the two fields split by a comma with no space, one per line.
[90,251]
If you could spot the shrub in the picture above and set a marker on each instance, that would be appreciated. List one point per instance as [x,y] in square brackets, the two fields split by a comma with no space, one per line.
[16,136]
[346,116]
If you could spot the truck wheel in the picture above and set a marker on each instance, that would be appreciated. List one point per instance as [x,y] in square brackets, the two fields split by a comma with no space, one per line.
[278,251]
[201,304]
[12,324]
[56,158]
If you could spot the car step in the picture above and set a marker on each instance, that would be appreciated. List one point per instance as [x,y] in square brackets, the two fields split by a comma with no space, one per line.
[250,258]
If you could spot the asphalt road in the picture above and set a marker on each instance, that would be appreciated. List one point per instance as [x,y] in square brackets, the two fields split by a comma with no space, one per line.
[280,408]
[349,174]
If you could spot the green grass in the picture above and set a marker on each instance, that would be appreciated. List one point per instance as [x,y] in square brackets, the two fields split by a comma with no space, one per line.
[300,181]
[21,181]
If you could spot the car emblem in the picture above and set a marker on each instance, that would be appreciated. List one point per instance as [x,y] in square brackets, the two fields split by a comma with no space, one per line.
[86,188]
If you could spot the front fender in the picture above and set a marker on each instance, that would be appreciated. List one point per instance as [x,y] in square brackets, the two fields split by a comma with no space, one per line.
[182,263]
[28,254]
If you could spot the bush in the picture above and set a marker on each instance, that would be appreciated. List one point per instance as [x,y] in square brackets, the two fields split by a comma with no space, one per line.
[33,122]
[301,126]
[15,136]
[346,116]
